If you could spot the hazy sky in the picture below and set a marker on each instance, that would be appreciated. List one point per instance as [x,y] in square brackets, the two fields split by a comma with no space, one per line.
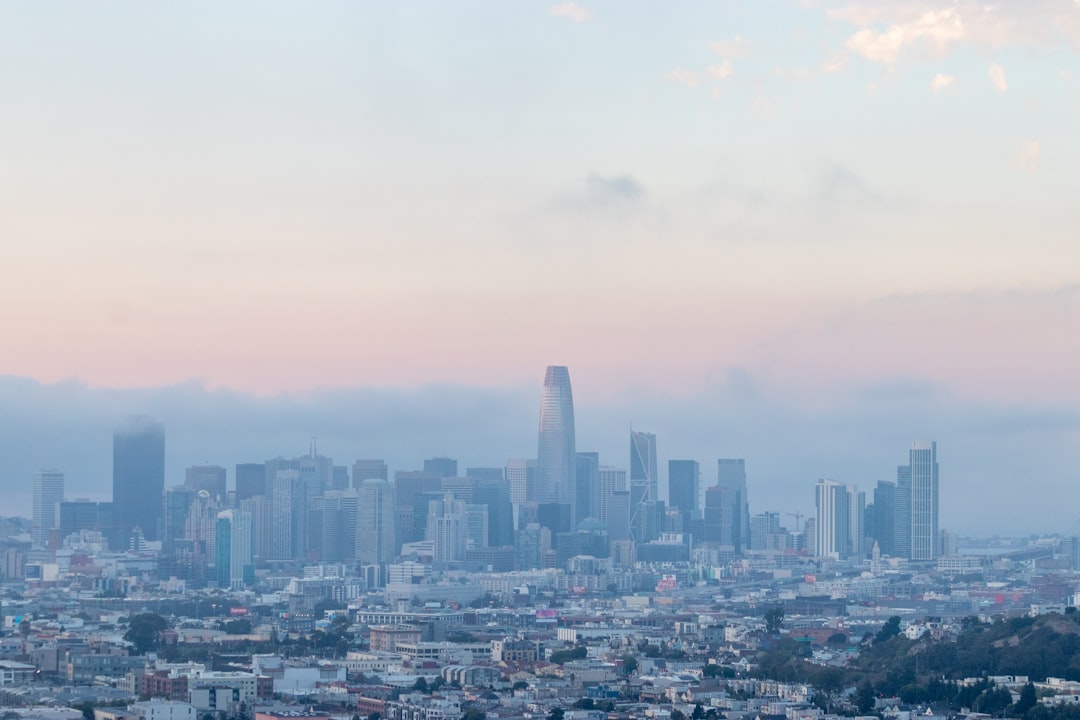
[810,231]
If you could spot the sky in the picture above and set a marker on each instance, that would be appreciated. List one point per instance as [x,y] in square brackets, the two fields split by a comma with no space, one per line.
[804,233]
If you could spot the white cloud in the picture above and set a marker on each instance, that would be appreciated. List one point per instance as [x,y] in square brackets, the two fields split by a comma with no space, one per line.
[941,82]
[888,31]
[682,76]
[734,48]
[834,63]
[1026,156]
[722,71]
[997,77]
[935,29]
[573,11]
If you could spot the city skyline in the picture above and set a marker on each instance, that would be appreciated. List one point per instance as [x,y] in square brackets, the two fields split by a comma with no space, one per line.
[782,473]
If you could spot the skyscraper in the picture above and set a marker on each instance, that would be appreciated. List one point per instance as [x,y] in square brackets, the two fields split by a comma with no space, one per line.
[233,563]
[587,480]
[48,494]
[731,477]
[556,459]
[138,479]
[644,487]
[210,478]
[250,480]
[839,521]
[683,479]
[375,537]
[922,472]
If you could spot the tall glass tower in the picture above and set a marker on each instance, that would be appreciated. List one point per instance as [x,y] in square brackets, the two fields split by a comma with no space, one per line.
[923,469]
[643,485]
[556,459]
[139,479]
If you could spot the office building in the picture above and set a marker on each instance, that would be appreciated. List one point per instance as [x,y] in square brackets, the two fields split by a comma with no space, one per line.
[731,478]
[233,553]
[138,480]
[684,477]
[375,536]
[369,469]
[210,478]
[644,486]
[838,522]
[556,454]
[250,480]
[441,467]
[521,477]
[587,482]
[48,494]
[917,511]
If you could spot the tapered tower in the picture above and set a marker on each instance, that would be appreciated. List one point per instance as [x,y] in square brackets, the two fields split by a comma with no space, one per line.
[556,459]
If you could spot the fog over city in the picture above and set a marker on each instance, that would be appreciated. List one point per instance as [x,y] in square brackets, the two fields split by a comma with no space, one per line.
[1004,468]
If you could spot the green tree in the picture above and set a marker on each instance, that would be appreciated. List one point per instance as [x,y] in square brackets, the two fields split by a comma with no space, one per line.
[652,651]
[889,630]
[678,715]
[1028,699]
[474,714]
[774,619]
[837,639]
[421,685]
[144,630]
[699,712]
[556,714]
[630,664]
[585,704]
[864,697]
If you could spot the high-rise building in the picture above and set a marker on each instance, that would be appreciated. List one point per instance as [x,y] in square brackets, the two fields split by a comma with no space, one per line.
[210,478]
[77,515]
[369,470]
[587,482]
[556,458]
[493,492]
[684,477]
[375,537]
[48,494]
[441,466]
[839,521]
[884,517]
[138,479]
[258,507]
[233,555]
[922,472]
[521,477]
[612,480]
[644,486]
[250,480]
[731,476]
[448,528]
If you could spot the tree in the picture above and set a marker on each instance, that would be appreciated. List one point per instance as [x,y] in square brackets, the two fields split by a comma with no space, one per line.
[889,630]
[677,714]
[1028,699]
[144,630]
[240,626]
[699,712]
[630,664]
[420,685]
[774,619]
[838,638]
[474,714]
[864,697]
[520,685]
[652,651]
[584,704]
[556,714]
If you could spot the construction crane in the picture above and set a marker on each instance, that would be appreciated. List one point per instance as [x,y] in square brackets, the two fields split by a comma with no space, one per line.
[798,520]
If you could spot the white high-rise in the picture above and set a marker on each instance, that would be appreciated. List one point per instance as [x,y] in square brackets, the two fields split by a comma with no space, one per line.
[375,522]
[48,494]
